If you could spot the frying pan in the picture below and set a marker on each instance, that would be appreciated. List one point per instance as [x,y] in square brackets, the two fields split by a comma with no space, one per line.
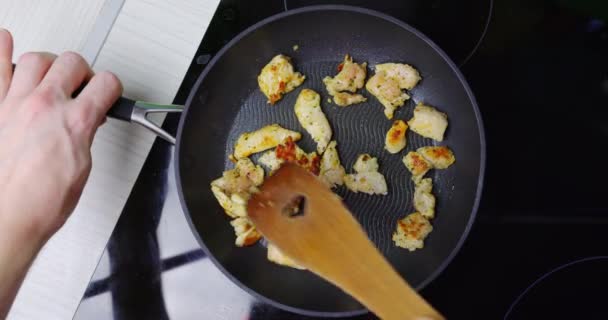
[226,102]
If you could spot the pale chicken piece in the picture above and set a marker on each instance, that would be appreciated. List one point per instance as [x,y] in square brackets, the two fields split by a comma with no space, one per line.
[278,78]
[366,163]
[235,186]
[406,75]
[232,209]
[425,185]
[424,200]
[277,256]
[311,117]
[332,171]
[387,84]
[372,182]
[254,174]
[387,91]
[417,165]
[411,231]
[440,157]
[367,179]
[351,76]
[262,139]
[395,139]
[428,122]
[345,99]
[270,161]
[245,231]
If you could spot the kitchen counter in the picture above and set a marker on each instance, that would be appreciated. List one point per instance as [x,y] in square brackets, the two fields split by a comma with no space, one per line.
[149,44]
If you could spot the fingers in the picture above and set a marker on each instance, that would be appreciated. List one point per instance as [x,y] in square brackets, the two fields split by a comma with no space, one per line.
[30,70]
[6,61]
[99,94]
[67,73]
[94,101]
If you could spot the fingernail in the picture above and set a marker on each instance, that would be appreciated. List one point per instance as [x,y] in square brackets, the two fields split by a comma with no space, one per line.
[2,30]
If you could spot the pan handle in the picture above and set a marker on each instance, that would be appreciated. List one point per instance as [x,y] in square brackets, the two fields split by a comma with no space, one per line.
[136,112]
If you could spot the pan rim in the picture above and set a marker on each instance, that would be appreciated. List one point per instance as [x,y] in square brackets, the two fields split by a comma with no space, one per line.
[347,8]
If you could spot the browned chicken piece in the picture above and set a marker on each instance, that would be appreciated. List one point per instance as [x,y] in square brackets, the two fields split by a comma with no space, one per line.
[411,231]
[440,157]
[278,78]
[417,165]
[395,139]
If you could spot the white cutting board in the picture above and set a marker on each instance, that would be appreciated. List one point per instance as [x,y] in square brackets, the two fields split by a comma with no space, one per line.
[149,44]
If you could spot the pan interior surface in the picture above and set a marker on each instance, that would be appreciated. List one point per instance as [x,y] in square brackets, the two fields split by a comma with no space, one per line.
[228,102]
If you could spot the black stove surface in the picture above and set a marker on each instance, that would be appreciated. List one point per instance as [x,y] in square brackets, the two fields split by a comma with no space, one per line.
[537,250]
[456,26]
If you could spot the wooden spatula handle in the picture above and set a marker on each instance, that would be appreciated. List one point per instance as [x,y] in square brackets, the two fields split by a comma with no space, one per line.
[373,282]
[328,241]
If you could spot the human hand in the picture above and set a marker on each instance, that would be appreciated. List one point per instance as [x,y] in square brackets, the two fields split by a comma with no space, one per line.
[46,135]
[45,142]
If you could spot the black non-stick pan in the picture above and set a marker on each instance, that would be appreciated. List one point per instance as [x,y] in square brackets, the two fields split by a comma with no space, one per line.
[226,102]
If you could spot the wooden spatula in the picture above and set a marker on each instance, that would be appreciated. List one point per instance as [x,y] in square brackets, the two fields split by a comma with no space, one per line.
[308,222]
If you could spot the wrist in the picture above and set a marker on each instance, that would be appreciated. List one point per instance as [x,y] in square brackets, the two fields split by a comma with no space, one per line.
[19,245]
[27,236]
[24,222]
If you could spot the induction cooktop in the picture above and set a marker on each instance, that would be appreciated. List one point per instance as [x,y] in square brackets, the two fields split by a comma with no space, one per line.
[539,71]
